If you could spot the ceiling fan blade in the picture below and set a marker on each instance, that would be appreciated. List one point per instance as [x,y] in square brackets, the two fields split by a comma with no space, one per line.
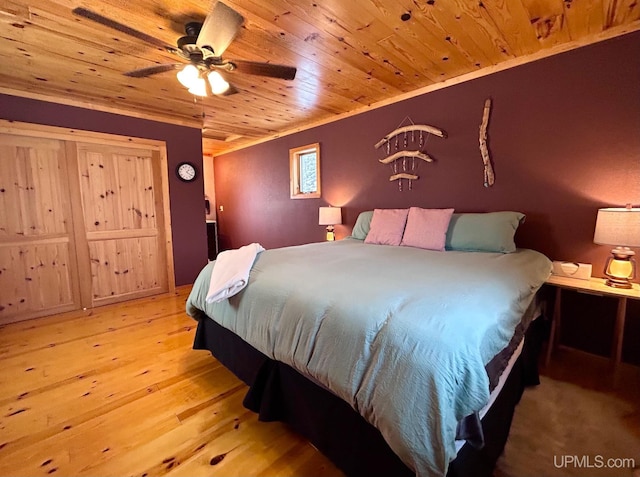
[96,17]
[152,70]
[265,69]
[220,28]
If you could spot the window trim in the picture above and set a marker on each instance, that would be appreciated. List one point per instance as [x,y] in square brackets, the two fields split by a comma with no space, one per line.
[294,171]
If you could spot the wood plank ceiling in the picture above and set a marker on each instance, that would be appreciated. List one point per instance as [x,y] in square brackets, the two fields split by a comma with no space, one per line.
[350,54]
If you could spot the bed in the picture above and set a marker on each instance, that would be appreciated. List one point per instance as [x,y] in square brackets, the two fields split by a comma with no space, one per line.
[381,355]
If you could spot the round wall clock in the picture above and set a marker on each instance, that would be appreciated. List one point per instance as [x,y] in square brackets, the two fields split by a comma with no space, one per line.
[186,172]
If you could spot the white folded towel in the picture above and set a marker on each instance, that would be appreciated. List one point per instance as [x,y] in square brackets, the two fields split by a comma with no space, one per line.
[231,272]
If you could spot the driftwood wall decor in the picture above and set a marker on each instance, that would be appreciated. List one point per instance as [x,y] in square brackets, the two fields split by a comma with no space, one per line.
[403,161]
[489,177]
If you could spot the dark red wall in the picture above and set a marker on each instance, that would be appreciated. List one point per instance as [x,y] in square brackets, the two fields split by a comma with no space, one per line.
[564,136]
[183,144]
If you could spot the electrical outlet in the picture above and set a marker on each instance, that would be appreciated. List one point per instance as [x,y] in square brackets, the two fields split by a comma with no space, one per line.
[221,208]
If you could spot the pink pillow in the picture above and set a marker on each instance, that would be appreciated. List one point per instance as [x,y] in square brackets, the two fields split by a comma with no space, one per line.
[387,226]
[427,228]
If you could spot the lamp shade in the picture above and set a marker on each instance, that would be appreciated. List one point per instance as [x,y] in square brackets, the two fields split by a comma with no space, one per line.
[330,216]
[217,82]
[188,76]
[199,87]
[618,226]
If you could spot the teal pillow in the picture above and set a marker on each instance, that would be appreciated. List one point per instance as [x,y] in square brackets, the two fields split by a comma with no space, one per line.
[363,224]
[488,232]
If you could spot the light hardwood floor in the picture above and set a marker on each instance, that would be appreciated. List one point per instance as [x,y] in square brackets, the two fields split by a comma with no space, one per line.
[118,391]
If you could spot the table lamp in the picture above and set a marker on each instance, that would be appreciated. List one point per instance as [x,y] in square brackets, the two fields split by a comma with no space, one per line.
[619,227]
[330,216]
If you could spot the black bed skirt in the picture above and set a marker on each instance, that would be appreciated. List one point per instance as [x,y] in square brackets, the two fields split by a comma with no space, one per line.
[277,392]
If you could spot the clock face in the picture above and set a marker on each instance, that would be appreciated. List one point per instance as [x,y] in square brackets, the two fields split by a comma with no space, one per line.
[186,171]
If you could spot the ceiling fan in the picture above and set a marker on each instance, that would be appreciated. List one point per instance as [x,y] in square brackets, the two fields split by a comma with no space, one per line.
[202,46]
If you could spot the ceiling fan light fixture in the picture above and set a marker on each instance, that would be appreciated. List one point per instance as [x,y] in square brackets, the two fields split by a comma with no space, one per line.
[199,88]
[189,76]
[202,47]
[217,82]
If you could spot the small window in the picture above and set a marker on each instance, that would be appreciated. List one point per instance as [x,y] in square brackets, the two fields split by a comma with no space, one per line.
[304,167]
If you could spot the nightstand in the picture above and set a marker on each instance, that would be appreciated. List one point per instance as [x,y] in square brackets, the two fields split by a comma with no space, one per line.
[593,286]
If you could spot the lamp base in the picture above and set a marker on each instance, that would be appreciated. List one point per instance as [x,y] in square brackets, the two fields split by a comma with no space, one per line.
[618,283]
[331,236]
[620,268]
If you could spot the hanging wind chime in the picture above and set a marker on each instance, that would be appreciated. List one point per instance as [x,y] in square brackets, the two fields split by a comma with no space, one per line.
[403,161]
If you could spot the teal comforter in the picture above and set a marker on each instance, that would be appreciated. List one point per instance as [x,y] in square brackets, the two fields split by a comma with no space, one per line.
[402,334]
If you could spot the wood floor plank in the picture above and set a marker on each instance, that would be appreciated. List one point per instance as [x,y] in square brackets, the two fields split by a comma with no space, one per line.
[195,437]
[104,318]
[59,362]
[45,408]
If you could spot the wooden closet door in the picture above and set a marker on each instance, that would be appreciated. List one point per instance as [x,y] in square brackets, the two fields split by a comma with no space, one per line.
[38,267]
[123,214]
